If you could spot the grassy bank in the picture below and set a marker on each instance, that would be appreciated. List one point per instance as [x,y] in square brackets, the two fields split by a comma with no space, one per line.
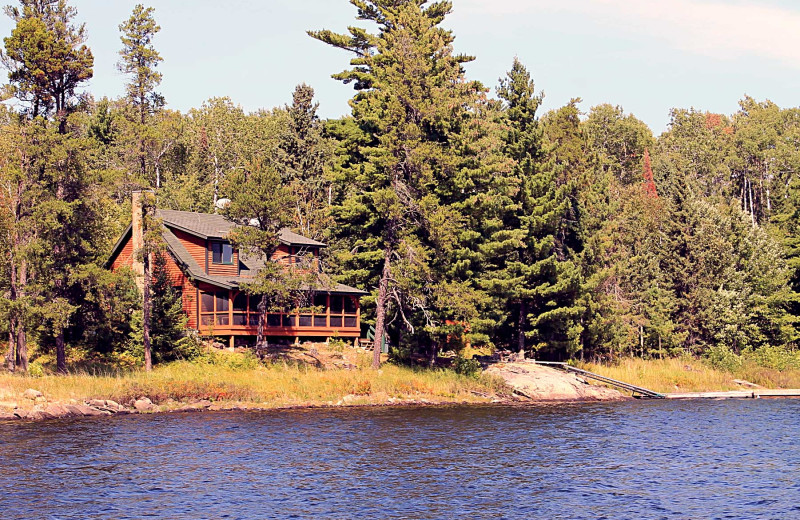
[695,375]
[268,386]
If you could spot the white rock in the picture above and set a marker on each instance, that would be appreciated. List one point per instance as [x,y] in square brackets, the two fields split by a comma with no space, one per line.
[143,405]
[31,394]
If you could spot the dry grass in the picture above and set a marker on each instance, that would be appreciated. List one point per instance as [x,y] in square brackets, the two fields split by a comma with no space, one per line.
[693,375]
[276,385]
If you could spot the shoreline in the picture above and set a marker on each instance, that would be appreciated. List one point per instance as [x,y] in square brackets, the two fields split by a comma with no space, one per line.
[108,408]
[240,384]
[219,389]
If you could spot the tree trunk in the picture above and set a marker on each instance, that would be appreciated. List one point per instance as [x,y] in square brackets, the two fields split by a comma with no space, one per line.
[641,340]
[11,350]
[380,317]
[61,355]
[21,360]
[523,312]
[262,320]
[146,312]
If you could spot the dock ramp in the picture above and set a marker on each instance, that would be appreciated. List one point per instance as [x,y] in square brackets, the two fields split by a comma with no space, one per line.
[637,391]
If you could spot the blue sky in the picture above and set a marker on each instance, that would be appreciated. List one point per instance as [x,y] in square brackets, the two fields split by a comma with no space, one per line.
[644,55]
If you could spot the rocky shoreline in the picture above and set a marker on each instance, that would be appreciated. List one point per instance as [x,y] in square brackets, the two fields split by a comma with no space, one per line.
[528,384]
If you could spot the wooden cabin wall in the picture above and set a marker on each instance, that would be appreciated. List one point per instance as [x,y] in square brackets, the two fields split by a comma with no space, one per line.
[125,256]
[221,269]
[195,246]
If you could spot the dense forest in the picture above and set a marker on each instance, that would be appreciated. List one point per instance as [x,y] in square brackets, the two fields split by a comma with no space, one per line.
[468,217]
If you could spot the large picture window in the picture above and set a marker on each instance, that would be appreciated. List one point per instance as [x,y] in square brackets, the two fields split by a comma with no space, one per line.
[221,253]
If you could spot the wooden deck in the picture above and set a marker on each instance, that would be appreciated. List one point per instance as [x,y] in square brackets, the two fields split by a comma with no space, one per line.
[757,393]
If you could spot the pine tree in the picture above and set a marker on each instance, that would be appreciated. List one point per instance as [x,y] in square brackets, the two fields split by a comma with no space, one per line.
[50,187]
[46,58]
[403,182]
[262,205]
[139,60]
[305,155]
[167,318]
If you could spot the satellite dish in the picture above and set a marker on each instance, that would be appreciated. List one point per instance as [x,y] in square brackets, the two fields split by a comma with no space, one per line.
[222,203]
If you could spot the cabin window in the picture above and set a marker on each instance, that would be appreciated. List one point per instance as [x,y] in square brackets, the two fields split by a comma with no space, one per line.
[305,321]
[221,253]
[240,302]
[321,304]
[343,311]
[214,308]
[225,309]
[240,309]
[222,302]
[207,302]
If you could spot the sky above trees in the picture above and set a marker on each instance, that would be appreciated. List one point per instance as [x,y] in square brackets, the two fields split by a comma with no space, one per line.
[645,56]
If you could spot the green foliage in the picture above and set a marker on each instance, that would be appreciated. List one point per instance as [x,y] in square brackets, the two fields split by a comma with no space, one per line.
[466,367]
[534,274]
[168,319]
[139,59]
[416,170]
[619,140]
[46,58]
[780,358]
[304,154]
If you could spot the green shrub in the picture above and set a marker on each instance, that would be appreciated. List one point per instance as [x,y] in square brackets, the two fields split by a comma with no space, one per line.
[723,358]
[775,357]
[466,367]
[35,369]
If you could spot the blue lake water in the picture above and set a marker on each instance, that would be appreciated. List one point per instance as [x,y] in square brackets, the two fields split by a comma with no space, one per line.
[642,459]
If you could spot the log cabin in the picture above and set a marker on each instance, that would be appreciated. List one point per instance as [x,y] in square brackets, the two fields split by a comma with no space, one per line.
[207,270]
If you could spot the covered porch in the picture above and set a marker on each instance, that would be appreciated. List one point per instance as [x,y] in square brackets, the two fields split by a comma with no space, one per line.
[233,313]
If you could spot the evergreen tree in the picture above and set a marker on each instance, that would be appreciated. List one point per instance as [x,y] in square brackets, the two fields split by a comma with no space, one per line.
[50,187]
[46,58]
[139,60]
[530,277]
[167,318]
[403,181]
[305,154]
[262,205]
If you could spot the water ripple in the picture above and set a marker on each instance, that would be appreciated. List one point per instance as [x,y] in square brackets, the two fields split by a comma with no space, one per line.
[670,460]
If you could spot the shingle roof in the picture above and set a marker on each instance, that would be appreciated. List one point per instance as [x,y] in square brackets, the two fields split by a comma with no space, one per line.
[208,225]
[195,272]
